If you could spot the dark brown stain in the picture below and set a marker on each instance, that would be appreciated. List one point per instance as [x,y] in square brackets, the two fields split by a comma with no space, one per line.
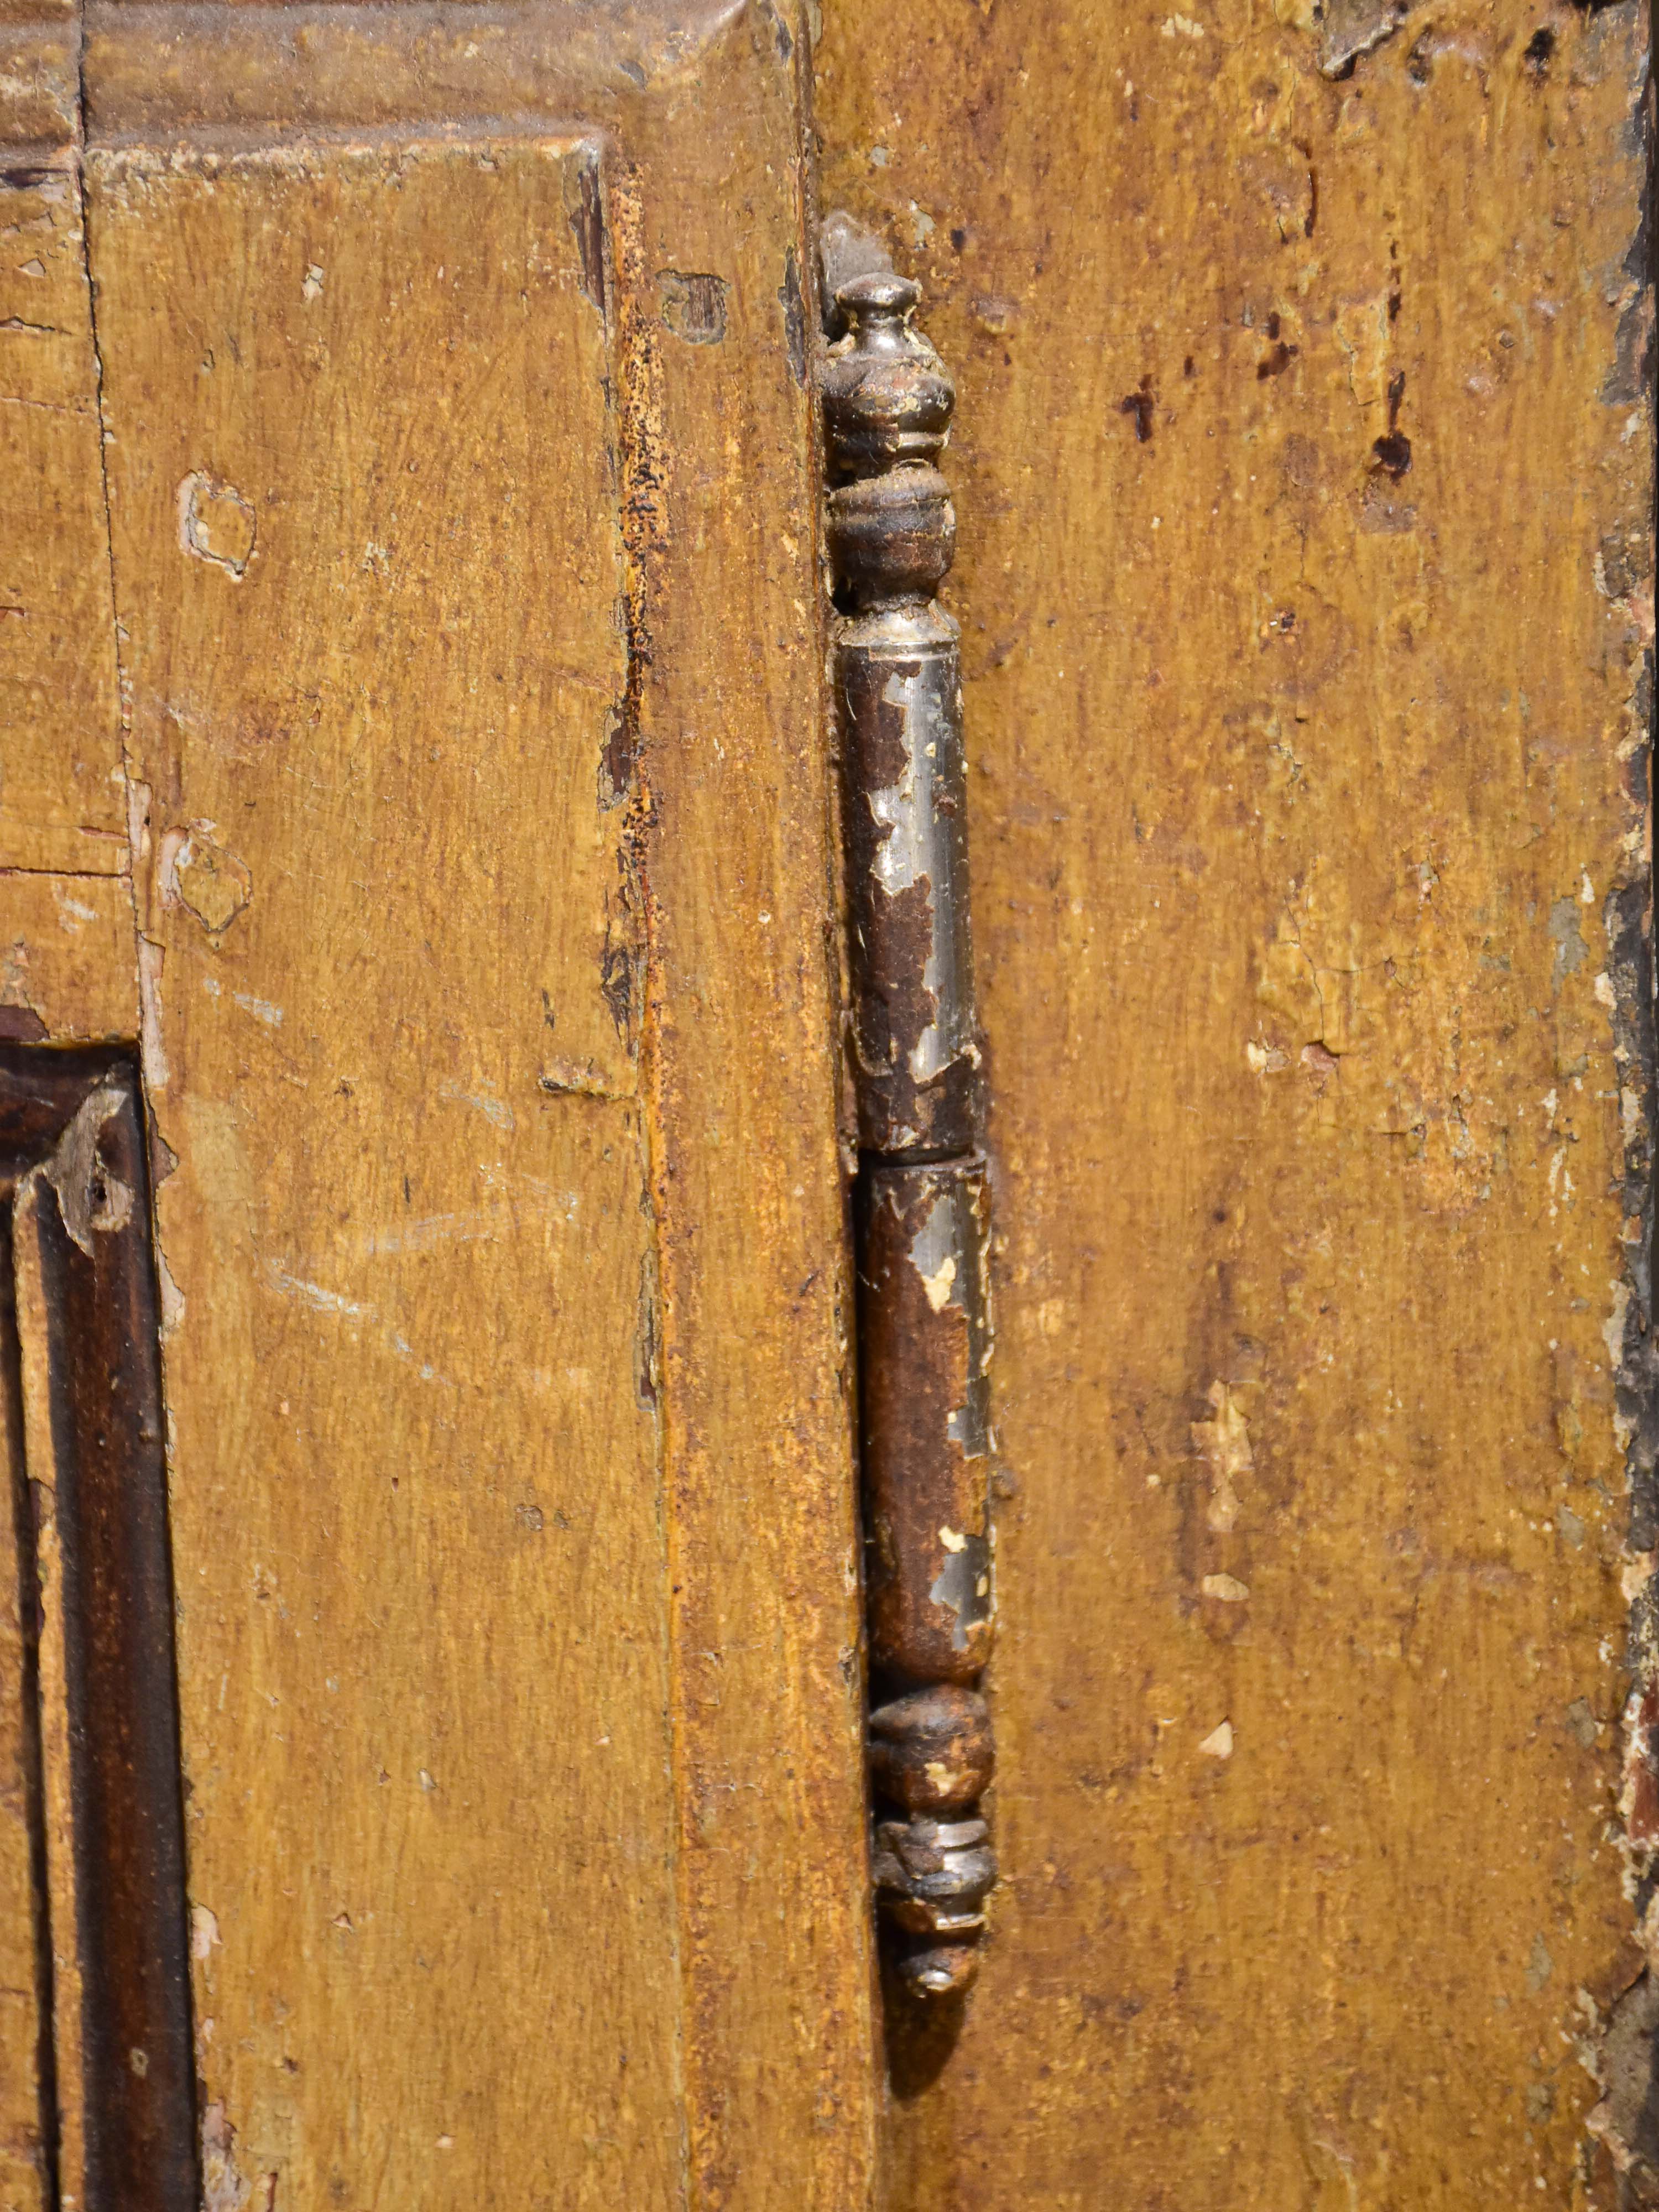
[584,212]
[1392,452]
[617,968]
[30,1619]
[1141,404]
[108,1477]
[794,316]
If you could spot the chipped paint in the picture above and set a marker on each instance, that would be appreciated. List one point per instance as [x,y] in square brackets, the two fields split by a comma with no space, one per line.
[216,524]
[92,1199]
[1223,1444]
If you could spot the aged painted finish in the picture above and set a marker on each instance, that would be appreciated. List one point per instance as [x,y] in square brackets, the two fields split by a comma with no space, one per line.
[67,966]
[464,503]
[404,1240]
[116,2120]
[921,1202]
[62,805]
[1302,478]
[924,1349]
[1303,473]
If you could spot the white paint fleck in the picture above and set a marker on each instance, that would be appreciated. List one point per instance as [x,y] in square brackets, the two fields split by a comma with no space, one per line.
[1227,1588]
[223,2188]
[937,1284]
[315,1296]
[312,287]
[204,1931]
[172,1298]
[1223,1444]
[216,524]
[493,1110]
[1265,1059]
[261,1009]
[1612,1332]
[952,1539]
[1218,1744]
[152,1052]
[1181,27]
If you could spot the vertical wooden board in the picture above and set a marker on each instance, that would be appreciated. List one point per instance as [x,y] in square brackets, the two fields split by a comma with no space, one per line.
[63,803]
[1302,468]
[23,1991]
[63,1996]
[719,755]
[741,1022]
[367,563]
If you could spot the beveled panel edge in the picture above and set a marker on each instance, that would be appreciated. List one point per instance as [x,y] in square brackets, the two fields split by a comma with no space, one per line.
[154,69]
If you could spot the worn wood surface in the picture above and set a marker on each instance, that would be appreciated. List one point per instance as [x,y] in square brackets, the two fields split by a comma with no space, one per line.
[24,1992]
[63,806]
[739,1060]
[67,967]
[463,505]
[1309,851]
[416,1512]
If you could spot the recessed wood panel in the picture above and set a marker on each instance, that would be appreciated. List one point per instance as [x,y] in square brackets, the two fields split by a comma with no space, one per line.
[364,485]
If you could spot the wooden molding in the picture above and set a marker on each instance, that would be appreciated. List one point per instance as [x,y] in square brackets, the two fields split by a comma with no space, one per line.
[79,1366]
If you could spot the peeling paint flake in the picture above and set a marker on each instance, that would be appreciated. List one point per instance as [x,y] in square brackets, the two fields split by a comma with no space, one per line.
[1224,1445]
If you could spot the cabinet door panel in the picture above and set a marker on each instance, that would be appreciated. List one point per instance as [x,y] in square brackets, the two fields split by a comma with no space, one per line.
[1303,467]
[462,482]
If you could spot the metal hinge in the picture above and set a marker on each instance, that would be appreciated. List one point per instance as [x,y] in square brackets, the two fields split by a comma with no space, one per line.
[921,1195]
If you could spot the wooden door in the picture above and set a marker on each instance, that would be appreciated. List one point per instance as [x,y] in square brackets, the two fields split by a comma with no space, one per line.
[433,1655]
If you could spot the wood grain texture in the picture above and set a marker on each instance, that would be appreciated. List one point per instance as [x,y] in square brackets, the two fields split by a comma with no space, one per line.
[781,2078]
[60,1984]
[1307,818]
[474,659]
[63,806]
[25,1992]
[69,968]
[68,973]
[368,565]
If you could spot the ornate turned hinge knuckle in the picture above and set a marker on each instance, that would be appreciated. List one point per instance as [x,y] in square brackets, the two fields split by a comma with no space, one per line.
[921,1202]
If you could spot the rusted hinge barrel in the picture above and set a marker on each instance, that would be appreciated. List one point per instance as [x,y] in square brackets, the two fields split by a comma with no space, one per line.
[922,1201]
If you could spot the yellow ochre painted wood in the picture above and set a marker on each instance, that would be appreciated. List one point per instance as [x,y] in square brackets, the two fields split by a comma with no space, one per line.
[62,805]
[473,662]
[67,968]
[368,565]
[1308,801]
[472,656]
